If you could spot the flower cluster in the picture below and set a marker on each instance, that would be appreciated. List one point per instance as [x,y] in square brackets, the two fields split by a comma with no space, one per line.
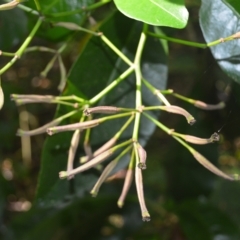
[114,146]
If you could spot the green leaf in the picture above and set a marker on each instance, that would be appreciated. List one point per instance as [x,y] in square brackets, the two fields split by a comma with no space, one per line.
[63,9]
[217,21]
[13,30]
[155,12]
[234,5]
[94,69]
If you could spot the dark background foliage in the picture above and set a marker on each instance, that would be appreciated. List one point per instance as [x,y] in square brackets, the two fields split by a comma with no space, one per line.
[184,199]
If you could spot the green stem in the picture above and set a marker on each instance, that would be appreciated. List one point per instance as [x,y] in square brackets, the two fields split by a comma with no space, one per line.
[123,128]
[132,161]
[7,54]
[163,127]
[116,50]
[183,42]
[29,38]
[67,115]
[184,144]
[49,66]
[23,47]
[64,103]
[156,92]
[40,48]
[111,86]
[153,108]
[73,97]
[103,119]
[189,100]
[193,44]
[121,145]
[137,63]
[167,91]
[37,5]
[28,9]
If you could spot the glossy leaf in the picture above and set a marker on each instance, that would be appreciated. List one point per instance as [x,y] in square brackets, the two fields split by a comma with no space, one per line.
[12,30]
[94,69]
[60,11]
[234,5]
[155,12]
[218,21]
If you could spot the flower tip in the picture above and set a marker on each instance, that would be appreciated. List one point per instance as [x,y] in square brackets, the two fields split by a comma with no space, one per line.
[20,132]
[236,35]
[83,159]
[120,204]
[215,137]
[191,121]
[222,105]
[236,177]
[49,131]
[142,166]
[93,193]
[63,175]
[76,105]
[86,112]
[146,218]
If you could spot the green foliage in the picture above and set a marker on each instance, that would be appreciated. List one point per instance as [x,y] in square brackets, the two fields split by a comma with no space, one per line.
[215,27]
[234,5]
[155,12]
[13,30]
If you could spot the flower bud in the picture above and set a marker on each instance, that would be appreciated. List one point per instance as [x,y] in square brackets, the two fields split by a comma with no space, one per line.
[100,158]
[39,130]
[236,35]
[108,169]
[196,140]
[206,106]
[202,160]
[23,99]
[72,127]
[72,151]
[103,148]
[10,5]
[140,193]
[181,111]
[1,97]
[126,186]
[88,150]
[101,109]
[142,157]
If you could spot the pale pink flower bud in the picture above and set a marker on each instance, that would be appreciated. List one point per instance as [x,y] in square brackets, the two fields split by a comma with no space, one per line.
[72,151]
[126,186]
[10,5]
[200,141]
[1,97]
[39,130]
[202,160]
[140,193]
[101,109]
[100,158]
[206,106]
[181,111]
[108,169]
[72,127]
[142,157]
